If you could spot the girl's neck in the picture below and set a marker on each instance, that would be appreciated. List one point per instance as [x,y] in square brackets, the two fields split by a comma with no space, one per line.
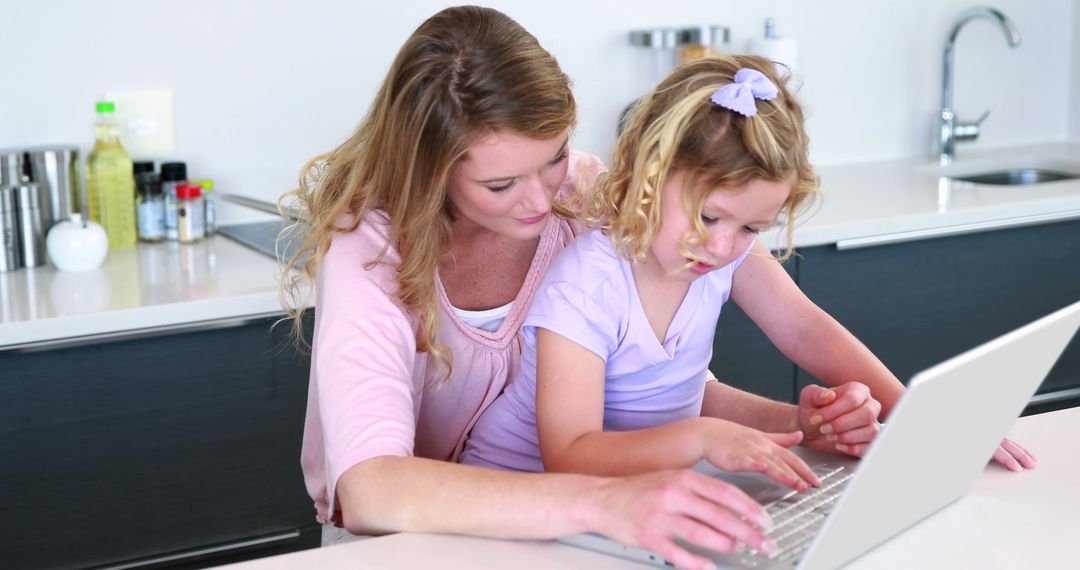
[660,295]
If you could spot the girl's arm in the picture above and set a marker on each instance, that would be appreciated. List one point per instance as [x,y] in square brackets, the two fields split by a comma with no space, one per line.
[570,414]
[821,346]
[805,333]
[739,406]
[853,432]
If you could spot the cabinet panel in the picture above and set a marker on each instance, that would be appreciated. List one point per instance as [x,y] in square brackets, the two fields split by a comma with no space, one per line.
[745,358]
[137,448]
[915,304]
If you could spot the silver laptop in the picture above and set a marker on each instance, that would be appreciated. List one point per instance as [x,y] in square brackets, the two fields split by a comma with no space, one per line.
[973,399]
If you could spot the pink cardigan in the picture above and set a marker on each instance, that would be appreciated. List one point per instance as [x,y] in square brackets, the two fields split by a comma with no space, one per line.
[367,396]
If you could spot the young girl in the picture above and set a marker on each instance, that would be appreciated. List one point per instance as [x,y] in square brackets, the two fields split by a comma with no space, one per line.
[620,335]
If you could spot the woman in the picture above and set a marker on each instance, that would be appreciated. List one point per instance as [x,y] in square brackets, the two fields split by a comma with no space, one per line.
[429,230]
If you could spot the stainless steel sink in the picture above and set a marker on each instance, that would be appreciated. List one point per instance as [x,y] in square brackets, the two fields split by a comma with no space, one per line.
[1018,176]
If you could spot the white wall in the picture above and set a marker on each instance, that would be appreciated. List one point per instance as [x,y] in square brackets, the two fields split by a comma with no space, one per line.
[260,86]
[1074,92]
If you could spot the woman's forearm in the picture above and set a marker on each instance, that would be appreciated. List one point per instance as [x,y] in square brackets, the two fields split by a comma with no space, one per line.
[386,494]
[397,494]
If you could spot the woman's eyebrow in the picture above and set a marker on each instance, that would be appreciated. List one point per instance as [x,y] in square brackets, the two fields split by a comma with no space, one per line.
[562,149]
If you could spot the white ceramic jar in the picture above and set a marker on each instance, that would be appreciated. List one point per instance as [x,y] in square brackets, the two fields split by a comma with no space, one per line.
[75,245]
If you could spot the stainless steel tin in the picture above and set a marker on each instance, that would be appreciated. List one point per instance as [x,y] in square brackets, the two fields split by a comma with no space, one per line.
[11,166]
[31,224]
[56,170]
[9,231]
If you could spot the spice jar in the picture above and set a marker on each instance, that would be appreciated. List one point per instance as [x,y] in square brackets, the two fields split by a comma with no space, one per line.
[149,207]
[190,213]
[702,41]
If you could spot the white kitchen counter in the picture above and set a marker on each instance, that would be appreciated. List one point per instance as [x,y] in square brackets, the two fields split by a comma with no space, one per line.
[142,288]
[1006,521]
[896,200]
[169,285]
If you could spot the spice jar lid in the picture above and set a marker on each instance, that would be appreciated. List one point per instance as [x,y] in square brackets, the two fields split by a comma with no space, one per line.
[188,191]
[173,171]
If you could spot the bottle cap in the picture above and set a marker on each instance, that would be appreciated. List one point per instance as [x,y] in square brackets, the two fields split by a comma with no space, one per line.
[141,166]
[173,171]
[188,191]
[106,107]
[205,183]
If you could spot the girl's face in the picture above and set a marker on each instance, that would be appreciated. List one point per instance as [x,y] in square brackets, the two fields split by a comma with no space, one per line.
[732,215]
[505,184]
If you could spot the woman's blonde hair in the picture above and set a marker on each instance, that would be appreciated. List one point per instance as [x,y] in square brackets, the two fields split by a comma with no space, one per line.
[464,73]
[678,128]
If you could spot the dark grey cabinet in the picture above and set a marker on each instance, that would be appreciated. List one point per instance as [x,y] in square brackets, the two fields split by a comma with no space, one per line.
[180,449]
[915,304]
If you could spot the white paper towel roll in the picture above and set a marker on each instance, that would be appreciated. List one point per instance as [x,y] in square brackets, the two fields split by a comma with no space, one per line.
[783,50]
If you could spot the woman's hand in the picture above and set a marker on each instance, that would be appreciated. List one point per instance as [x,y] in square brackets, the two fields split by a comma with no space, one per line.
[734,447]
[843,418]
[1014,457]
[651,511]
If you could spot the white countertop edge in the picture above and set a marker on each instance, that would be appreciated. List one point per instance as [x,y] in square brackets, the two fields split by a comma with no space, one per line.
[986,218]
[130,322]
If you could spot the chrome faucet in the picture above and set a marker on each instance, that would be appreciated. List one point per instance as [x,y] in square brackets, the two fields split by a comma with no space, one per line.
[952,129]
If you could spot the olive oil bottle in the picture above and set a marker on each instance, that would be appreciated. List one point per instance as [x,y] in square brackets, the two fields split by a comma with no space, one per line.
[110,184]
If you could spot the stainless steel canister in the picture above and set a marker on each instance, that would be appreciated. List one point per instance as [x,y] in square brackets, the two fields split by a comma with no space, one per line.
[11,166]
[31,224]
[56,169]
[9,231]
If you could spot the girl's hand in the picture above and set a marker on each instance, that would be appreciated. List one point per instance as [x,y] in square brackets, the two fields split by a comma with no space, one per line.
[735,447]
[651,511]
[1014,457]
[843,418]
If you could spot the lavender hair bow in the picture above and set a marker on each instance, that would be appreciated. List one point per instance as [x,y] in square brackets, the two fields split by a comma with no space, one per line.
[739,96]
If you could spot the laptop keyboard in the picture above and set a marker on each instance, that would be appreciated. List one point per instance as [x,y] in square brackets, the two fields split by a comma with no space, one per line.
[798,516]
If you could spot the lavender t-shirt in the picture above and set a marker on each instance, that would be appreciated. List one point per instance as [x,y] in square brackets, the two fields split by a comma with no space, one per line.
[588,296]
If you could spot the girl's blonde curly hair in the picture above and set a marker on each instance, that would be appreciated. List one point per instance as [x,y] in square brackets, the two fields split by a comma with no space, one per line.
[677,127]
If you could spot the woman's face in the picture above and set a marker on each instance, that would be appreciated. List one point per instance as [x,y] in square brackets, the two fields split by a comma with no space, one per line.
[732,216]
[505,184]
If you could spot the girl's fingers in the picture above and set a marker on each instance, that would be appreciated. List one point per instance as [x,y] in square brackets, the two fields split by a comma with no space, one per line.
[1005,458]
[801,468]
[1025,458]
[779,471]
[790,439]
